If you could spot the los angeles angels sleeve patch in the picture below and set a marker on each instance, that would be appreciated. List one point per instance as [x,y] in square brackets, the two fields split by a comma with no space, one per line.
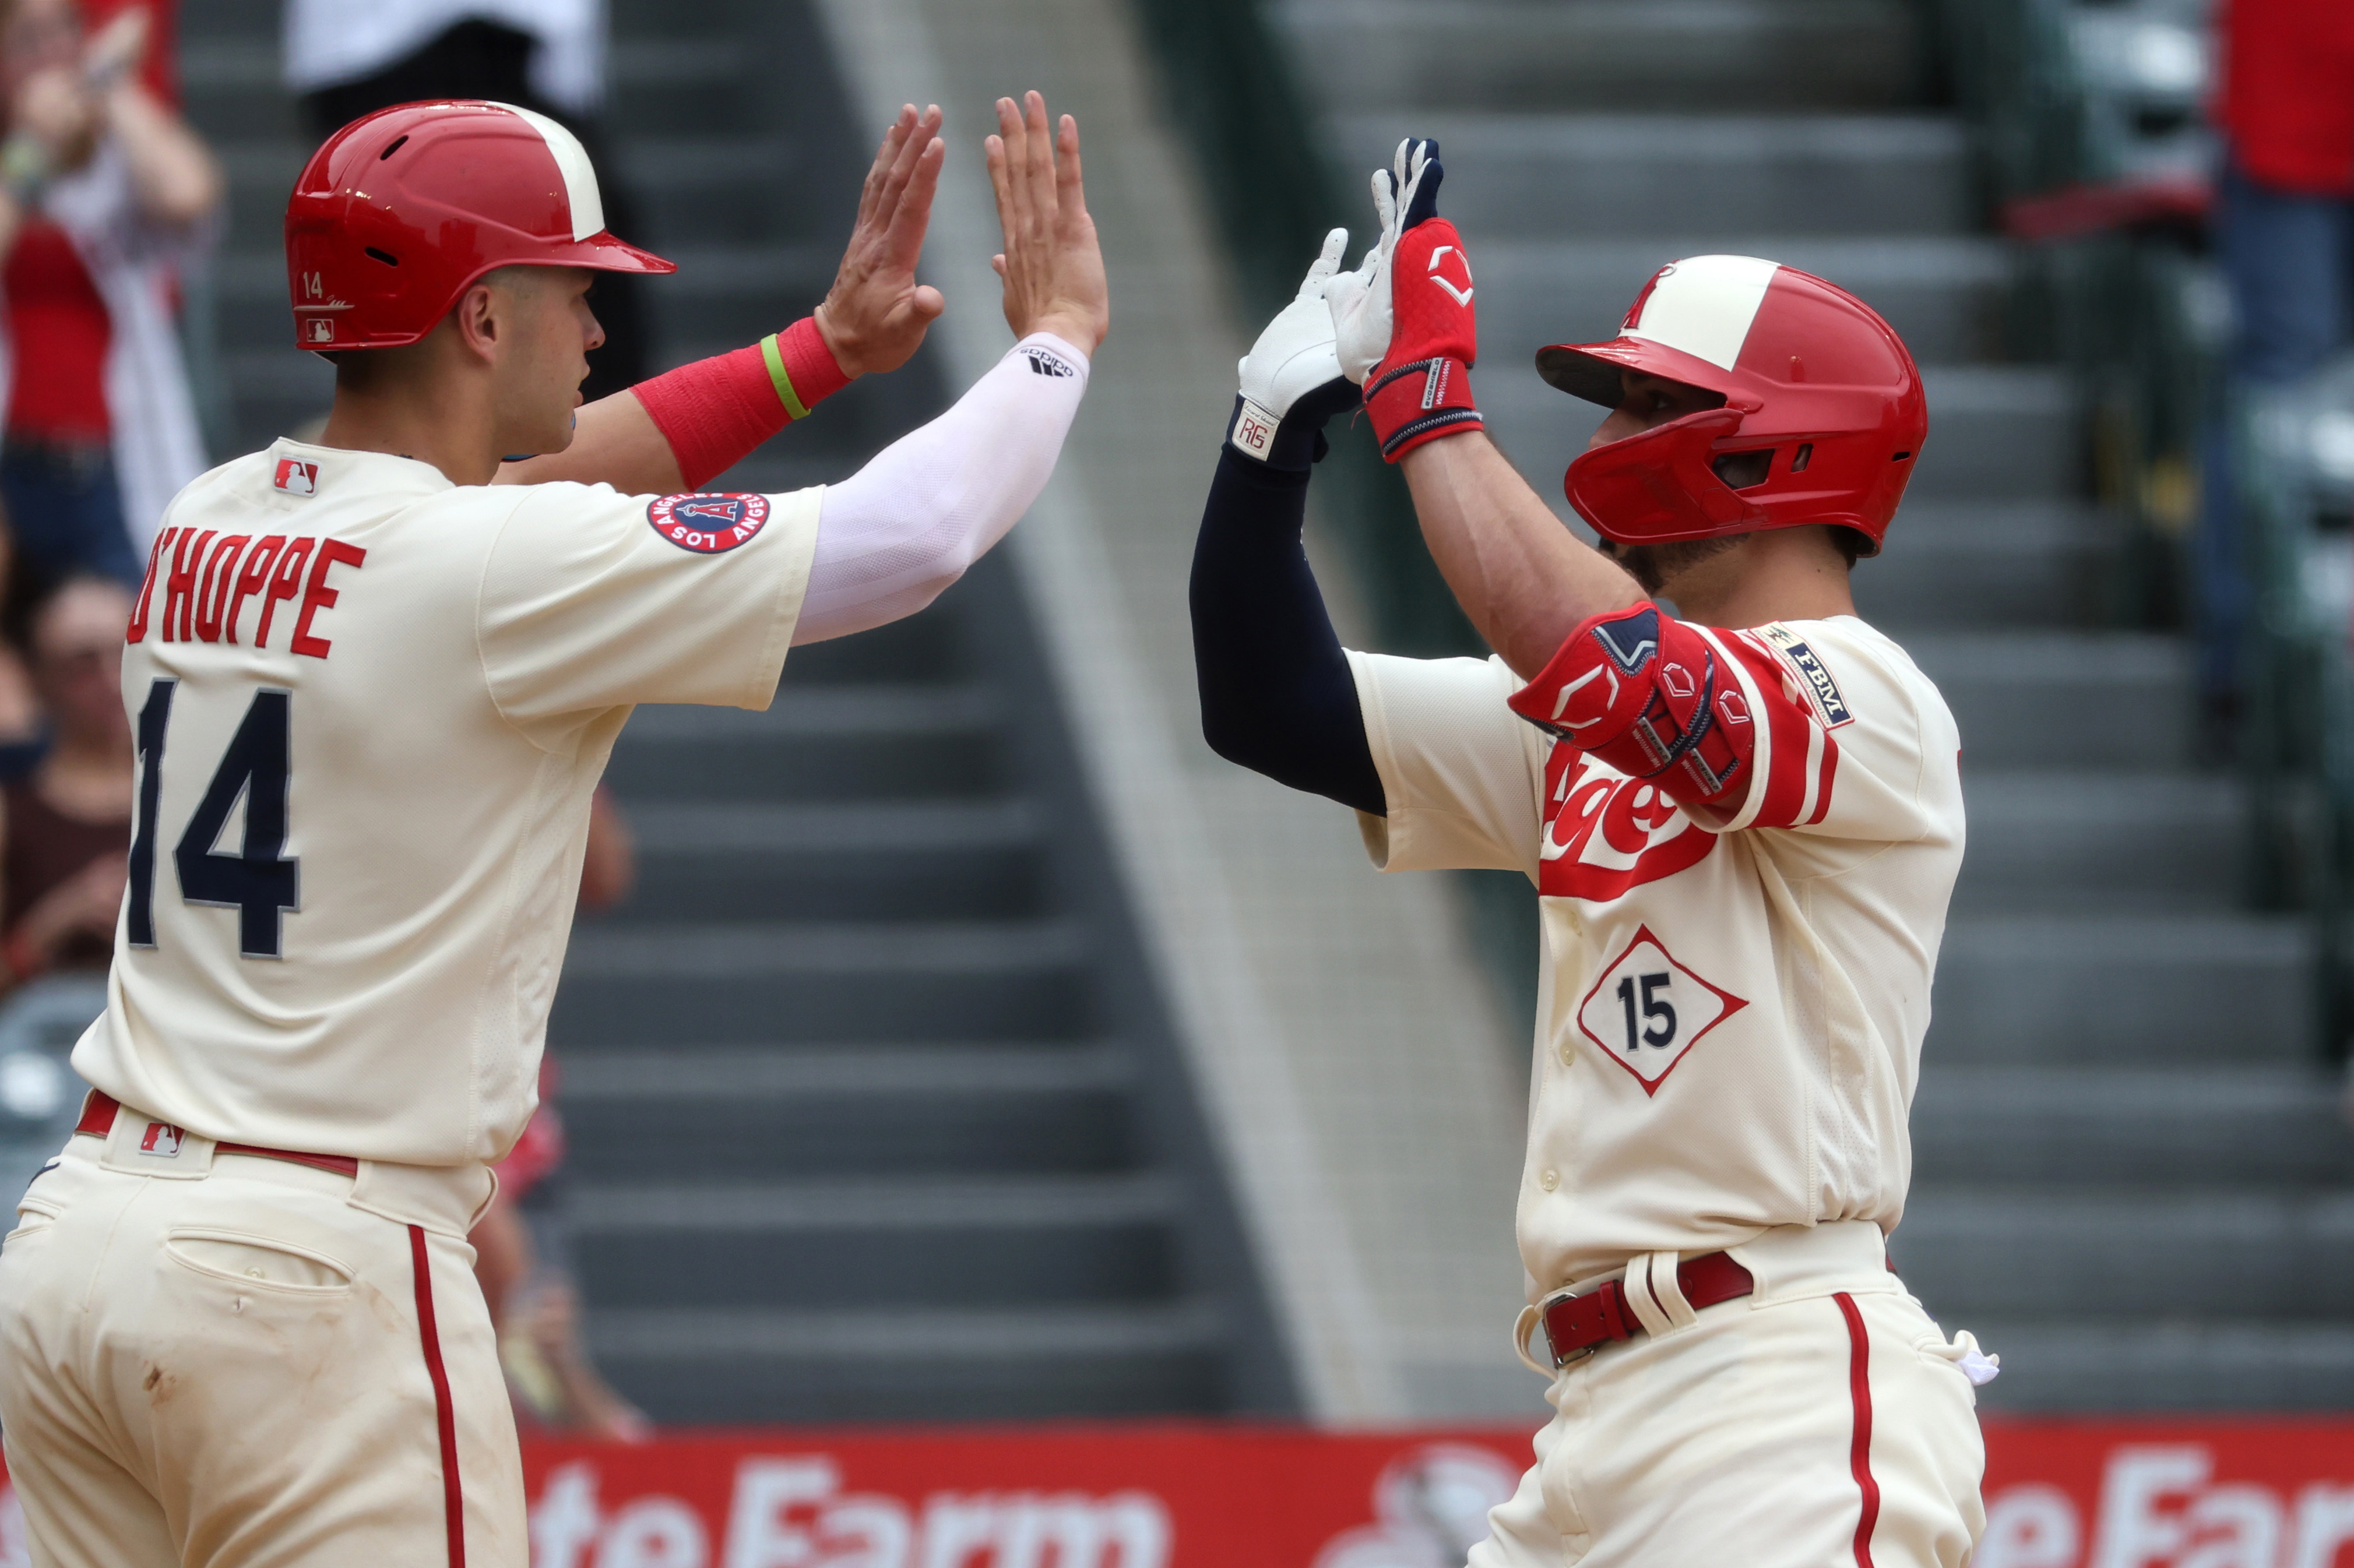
[705,523]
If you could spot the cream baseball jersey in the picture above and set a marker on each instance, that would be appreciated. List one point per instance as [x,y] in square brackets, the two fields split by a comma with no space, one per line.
[371,707]
[1729,1017]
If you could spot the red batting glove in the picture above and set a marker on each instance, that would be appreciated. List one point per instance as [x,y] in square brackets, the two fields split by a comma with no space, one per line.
[1421,388]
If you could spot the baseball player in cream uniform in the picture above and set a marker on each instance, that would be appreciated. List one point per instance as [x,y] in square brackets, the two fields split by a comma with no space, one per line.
[1743,820]
[373,693]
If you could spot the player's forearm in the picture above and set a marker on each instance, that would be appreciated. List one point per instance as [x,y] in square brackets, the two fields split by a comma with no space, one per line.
[1277,693]
[615,441]
[1525,581]
[682,429]
[899,531]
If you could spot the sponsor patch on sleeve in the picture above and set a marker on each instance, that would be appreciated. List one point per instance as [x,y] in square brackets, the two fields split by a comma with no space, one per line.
[708,524]
[1813,677]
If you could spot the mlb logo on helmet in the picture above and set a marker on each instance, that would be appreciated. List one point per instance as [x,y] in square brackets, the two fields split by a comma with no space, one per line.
[296,478]
[709,525]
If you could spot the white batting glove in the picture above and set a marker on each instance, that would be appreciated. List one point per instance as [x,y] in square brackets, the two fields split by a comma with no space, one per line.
[1362,316]
[1291,380]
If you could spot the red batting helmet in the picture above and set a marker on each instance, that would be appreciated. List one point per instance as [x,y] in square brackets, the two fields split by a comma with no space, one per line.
[1811,376]
[403,211]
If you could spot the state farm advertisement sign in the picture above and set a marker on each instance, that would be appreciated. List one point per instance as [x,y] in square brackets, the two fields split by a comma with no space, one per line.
[1037,1498]
[2256,1493]
[2213,1494]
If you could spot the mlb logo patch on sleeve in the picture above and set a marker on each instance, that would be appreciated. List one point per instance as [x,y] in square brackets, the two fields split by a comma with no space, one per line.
[296,478]
[709,525]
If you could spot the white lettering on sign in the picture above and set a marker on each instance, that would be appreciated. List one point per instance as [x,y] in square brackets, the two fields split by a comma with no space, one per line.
[790,1511]
[2161,1507]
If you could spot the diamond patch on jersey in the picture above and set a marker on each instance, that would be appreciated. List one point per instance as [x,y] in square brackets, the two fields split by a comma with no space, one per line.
[708,524]
[1647,1010]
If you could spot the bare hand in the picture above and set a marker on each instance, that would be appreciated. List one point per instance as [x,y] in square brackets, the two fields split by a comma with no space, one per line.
[1051,265]
[875,316]
[56,107]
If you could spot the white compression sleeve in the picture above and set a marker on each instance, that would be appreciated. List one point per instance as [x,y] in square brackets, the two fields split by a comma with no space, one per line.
[900,530]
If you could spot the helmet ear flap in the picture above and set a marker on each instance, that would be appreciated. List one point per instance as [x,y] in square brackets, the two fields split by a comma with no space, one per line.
[1661,486]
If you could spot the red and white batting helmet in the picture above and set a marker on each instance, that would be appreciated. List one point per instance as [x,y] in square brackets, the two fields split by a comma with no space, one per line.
[403,211]
[1811,375]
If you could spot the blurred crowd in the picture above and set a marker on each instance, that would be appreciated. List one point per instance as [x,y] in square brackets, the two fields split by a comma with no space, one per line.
[109,204]
[2281,230]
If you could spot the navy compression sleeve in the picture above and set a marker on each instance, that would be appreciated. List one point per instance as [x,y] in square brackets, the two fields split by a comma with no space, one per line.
[1277,693]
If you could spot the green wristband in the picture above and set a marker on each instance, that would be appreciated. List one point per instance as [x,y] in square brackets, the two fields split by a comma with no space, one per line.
[775,361]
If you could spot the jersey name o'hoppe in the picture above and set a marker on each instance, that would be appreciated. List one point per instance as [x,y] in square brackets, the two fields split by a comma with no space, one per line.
[208,581]
[709,524]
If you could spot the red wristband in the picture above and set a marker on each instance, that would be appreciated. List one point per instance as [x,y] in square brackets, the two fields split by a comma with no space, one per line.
[1411,404]
[715,411]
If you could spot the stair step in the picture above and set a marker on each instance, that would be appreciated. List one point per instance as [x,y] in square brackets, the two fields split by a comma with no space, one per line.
[838,861]
[2119,990]
[931,1357]
[1955,563]
[2155,1126]
[2144,1362]
[840,1240]
[810,981]
[2061,841]
[2063,699]
[1946,294]
[1635,175]
[872,742]
[972,1109]
[2000,433]
[1703,54]
[2126,1254]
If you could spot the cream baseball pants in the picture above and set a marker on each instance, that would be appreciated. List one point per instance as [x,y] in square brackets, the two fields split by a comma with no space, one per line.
[216,1361]
[1822,1422]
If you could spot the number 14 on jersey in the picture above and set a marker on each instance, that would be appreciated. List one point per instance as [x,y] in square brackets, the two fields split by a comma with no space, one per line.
[259,879]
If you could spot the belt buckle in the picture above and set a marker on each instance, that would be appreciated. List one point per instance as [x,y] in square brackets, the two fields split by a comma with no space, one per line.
[1608,1304]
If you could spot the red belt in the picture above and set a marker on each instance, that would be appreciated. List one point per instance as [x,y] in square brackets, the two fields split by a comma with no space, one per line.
[98,1120]
[1574,1323]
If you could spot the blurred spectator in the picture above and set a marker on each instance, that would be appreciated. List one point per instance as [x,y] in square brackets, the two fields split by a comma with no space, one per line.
[102,190]
[65,831]
[2284,226]
[346,60]
[522,1253]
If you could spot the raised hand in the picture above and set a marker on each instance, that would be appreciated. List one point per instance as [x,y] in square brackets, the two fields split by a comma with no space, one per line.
[1362,304]
[875,316]
[1051,265]
[1291,380]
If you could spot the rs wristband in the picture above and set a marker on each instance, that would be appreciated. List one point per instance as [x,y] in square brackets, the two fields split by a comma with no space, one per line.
[1420,402]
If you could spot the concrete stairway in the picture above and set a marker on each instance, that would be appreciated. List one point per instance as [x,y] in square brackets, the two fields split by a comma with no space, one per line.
[2130,1179]
[874,1111]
